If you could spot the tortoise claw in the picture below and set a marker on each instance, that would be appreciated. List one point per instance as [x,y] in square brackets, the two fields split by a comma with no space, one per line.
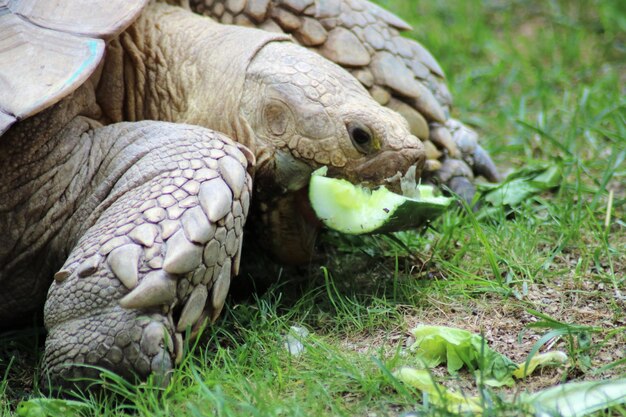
[452,168]
[483,165]
[456,176]
[463,187]
[472,153]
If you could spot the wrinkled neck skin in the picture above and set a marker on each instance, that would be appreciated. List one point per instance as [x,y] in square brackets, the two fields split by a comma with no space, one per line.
[156,71]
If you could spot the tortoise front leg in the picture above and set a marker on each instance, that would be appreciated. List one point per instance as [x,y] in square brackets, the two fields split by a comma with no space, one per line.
[158,259]
[457,172]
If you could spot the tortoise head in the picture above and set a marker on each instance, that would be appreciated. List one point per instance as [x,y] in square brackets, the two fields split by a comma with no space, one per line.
[306,112]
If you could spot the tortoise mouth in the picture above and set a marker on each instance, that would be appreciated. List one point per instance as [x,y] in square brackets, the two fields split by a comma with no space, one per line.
[406,184]
[389,166]
[400,178]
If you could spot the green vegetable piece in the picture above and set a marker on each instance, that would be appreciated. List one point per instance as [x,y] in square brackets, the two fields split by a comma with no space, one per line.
[576,399]
[543,359]
[51,407]
[438,394]
[435,345]
[352,209]
[457,347]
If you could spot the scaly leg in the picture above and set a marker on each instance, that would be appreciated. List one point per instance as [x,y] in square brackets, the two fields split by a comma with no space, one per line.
[158,258]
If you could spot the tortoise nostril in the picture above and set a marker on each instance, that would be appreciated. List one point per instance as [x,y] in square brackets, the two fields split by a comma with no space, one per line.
[415,156]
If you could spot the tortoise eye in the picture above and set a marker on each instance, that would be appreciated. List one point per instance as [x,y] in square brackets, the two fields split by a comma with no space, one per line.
[361,137]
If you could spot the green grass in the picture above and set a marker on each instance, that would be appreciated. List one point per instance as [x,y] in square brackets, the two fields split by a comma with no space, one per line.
[539,80]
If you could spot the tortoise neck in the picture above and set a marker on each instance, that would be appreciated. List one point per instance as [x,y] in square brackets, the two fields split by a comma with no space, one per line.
[173,65]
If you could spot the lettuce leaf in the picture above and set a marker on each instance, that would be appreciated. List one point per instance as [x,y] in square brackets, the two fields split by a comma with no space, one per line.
[435,345]
[576,399]
[437,393]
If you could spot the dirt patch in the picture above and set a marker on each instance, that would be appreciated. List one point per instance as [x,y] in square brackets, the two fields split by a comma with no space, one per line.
[504,324]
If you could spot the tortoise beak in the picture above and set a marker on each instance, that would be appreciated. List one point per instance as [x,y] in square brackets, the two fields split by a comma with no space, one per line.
[388,163]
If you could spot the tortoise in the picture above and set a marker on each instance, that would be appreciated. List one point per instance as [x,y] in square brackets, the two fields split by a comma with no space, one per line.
[130,139]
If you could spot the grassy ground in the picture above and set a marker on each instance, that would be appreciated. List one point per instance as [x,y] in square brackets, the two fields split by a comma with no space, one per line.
[540,80]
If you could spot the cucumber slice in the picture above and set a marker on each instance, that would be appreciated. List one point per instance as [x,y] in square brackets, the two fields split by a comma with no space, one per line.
[355,210]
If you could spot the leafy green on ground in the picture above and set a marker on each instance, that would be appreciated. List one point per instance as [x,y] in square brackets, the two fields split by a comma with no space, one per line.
[540,81]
